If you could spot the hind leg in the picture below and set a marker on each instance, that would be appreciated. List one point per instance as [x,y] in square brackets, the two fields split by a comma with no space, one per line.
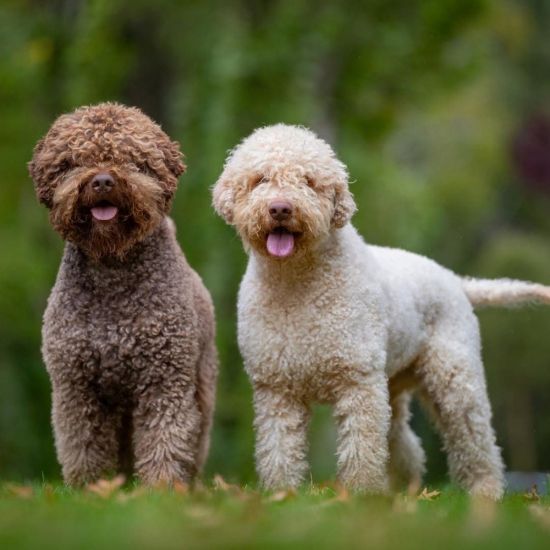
[453,386]
[407,458]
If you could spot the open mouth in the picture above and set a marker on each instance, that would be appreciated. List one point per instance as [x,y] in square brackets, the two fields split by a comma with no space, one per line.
[280,242]
[104,211]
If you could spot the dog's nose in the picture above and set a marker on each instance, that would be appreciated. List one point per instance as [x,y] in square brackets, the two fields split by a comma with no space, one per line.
[102,182]
[280,210]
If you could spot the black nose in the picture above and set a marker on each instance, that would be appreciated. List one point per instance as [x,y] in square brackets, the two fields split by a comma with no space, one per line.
[280,210]
[102,182]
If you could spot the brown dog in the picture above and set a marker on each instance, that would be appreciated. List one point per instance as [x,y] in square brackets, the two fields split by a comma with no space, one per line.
[128,335]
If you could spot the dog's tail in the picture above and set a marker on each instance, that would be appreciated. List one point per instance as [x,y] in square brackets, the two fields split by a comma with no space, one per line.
[505,292]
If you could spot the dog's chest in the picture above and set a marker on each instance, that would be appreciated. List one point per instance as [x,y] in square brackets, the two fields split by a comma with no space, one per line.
[307,338]
[118,338]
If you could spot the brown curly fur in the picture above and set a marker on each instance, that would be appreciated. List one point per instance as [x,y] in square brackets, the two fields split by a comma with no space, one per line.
[128,334]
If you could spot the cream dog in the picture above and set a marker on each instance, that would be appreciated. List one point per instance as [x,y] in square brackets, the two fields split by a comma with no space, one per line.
[325,317]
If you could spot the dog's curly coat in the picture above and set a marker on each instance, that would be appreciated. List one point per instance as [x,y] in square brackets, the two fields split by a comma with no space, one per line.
[128,334]
[325,317]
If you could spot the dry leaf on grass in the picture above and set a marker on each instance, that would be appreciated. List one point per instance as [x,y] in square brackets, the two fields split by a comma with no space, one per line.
[104,488]
[428,495]
[342,494]
[532,494]
[204,515]
[135,493]
[181,488]
[221,485]
[282,496]
[21,491]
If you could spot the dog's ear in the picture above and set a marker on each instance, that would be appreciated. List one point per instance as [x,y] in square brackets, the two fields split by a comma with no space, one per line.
[173,157]
[344,205]
[223,197]
[42,169]
[173,167]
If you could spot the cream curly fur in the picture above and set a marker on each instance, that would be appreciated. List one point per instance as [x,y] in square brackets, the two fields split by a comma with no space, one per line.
[360,327]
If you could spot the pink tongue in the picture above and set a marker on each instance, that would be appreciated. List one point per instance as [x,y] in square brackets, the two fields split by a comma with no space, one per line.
[104,213]
[280,244]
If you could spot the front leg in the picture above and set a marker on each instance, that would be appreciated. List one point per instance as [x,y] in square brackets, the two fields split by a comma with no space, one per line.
[281,423]
[363,414]
[85,432]
[167,424]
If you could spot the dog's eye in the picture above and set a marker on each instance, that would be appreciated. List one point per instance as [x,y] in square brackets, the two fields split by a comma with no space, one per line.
[258,180]
[309,181]
[63,167]
[144,169]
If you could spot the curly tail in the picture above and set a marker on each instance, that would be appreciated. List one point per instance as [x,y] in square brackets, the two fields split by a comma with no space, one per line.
[505,292]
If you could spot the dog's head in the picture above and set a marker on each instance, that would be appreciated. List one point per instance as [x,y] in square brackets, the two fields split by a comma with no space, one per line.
[284,190]
[108,174]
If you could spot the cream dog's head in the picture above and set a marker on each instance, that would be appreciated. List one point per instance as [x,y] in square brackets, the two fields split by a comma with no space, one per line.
[284,190]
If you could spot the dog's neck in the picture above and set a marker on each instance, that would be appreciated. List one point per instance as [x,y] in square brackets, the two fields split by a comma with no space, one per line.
[309,265]
[158,243]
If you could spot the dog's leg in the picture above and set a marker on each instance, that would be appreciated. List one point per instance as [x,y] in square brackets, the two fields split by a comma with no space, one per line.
[453,386]
[281,438]
[407,457]
[363,415]
[166,431]
[85,433]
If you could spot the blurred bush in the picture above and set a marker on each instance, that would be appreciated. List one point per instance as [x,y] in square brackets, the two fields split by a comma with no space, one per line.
[430,103]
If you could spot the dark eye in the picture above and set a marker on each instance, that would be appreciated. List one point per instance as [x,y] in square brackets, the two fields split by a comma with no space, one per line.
[63,166]
[144,169]
[309,181]
[258,180]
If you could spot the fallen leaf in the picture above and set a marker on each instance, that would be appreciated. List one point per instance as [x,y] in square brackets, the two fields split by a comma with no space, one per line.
[532,494]
[136,493]
[181,488]
[428,495]
[104,488]
[21,491]
[282,496]
[206,516]
[342,494]
[221,485]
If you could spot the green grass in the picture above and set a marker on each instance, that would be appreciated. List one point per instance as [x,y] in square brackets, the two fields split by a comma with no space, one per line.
[55,517]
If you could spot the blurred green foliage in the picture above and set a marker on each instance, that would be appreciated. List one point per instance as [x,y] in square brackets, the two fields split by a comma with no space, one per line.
[422,100]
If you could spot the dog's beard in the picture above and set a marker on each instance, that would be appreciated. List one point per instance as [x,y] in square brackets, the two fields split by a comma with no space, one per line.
[110,225]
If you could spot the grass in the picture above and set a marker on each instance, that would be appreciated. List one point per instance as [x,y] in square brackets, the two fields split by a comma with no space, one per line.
[226,516]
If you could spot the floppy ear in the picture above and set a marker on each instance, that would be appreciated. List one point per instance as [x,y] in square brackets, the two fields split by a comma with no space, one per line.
[173,157]
[172,169]
[42,169]
[344,205]
[223,198]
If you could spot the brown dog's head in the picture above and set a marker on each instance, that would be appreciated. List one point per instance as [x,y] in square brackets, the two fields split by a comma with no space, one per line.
[108,174]
[284,190]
